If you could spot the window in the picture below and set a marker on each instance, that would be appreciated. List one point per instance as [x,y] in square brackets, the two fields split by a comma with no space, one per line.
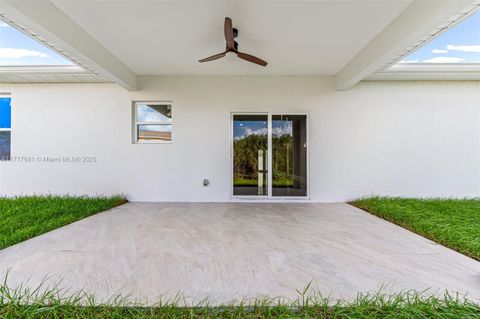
[5,128]
[153,122]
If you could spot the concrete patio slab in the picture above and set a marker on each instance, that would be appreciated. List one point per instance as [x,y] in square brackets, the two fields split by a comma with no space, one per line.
[223,251]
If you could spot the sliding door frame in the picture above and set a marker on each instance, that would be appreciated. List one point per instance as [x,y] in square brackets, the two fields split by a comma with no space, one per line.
[269,196]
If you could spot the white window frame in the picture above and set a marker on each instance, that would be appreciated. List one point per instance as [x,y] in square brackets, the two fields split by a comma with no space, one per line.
[135,123]
[7,95]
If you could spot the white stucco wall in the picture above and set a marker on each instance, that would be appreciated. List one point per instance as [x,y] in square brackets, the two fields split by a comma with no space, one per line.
[400,139]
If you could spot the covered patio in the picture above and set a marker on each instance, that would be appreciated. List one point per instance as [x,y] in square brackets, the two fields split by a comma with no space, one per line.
[226,251]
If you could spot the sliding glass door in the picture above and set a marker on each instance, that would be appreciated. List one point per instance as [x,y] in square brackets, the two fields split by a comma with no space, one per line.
[250,144]
[269,155]
[289,155]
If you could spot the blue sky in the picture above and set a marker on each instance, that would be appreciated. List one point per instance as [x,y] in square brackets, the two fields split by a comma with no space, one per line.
[5,113]
[17,48]
[5,125]
[149,113]
[242,129]
[460,44]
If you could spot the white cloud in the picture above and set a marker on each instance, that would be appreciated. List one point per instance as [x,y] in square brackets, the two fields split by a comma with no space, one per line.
[3,25]
[409,61]
[443,59]
[439,51]
[248,131]
[11,53]
[152,113]
[285,129]
[464,48]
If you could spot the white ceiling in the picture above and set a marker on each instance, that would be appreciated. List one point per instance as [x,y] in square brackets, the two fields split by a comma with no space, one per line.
[166,37]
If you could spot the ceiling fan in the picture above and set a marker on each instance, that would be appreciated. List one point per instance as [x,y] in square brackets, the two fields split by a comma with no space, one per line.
[232,46]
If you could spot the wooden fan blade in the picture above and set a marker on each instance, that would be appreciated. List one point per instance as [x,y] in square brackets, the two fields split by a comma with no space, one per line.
[251,58]
[229,33]
[214,57]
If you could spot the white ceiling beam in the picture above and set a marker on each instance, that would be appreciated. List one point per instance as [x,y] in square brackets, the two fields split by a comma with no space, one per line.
[417,20]
[51,25]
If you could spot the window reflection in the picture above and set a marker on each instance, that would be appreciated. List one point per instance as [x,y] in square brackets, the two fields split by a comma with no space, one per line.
[250,145]
[289,155]
[4,145]
[154,113]
[152,133]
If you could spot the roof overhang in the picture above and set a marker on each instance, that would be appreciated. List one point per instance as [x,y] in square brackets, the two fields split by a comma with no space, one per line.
[48,74]
[44,21]
[418,23]
[428,71]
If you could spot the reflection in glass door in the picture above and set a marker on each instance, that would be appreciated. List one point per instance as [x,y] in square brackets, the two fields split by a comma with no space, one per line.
[250,145]
[289,155]
[269,155]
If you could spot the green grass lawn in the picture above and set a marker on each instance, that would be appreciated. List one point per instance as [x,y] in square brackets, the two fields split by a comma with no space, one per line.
[22,218]
[26,217]
[450,222]
[409,305]
[284,182]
